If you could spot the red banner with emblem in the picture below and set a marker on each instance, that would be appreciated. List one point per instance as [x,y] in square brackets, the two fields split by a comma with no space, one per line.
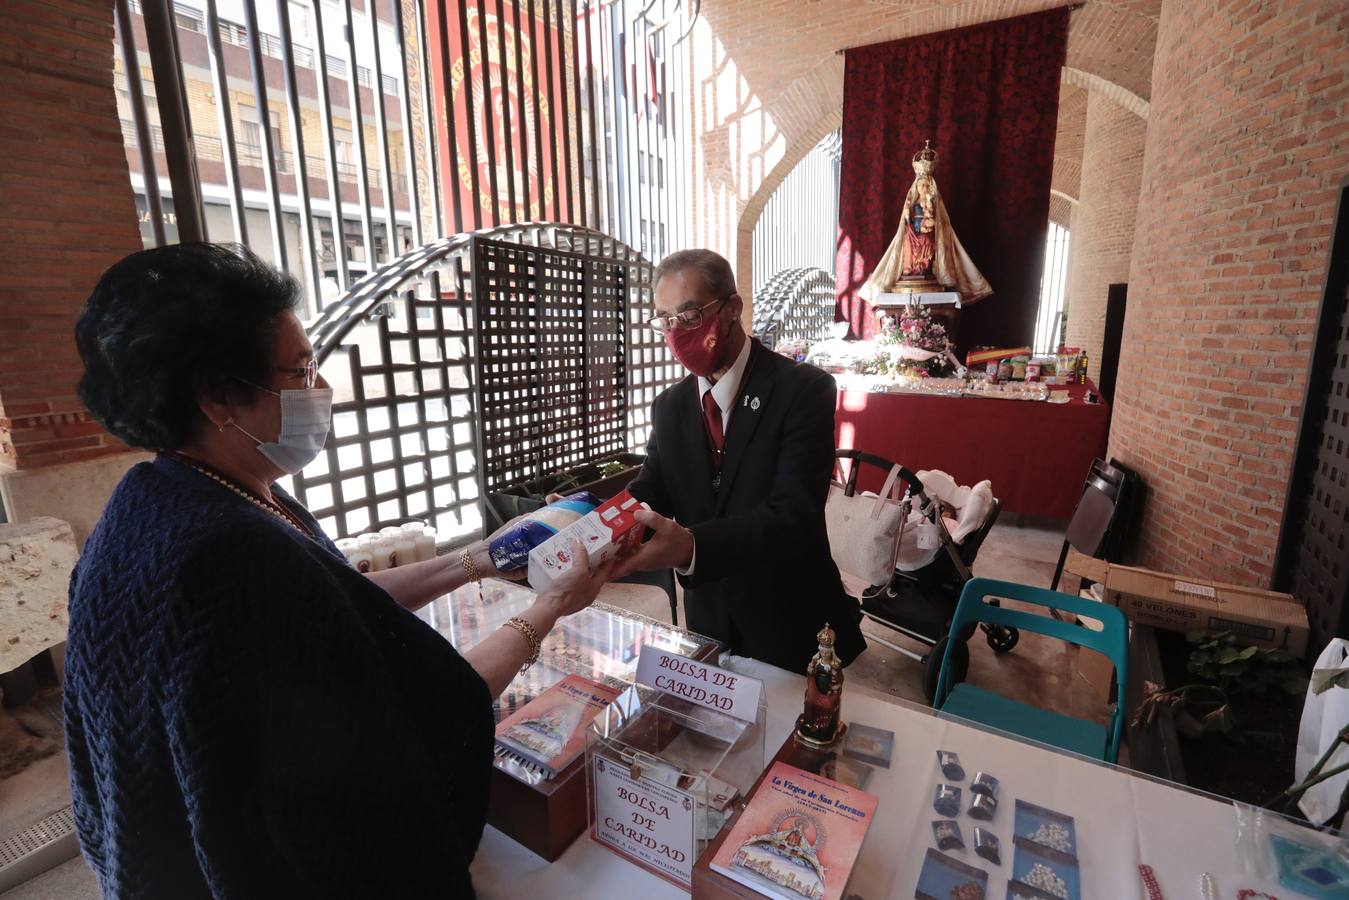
[486,84]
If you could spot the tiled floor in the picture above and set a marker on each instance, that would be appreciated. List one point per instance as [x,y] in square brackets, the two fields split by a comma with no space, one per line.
[1039,671]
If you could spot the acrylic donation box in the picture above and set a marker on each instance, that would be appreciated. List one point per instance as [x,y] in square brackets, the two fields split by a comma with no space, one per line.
[667,759]
[542,809]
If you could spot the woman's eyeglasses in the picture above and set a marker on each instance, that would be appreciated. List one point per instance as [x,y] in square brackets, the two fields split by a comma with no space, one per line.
[689,318]
[309,372]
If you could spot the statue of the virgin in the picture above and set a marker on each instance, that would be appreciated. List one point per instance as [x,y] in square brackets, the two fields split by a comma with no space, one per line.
[926,254]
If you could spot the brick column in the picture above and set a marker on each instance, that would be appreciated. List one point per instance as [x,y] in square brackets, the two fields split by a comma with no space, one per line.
[1102,236]
[1248,136]
[66,214]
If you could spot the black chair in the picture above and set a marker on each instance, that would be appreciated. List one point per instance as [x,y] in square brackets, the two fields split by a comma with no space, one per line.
[1103,520]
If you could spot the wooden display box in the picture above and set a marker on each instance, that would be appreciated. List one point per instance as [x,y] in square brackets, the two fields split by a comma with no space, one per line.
[547,817]
[714,885]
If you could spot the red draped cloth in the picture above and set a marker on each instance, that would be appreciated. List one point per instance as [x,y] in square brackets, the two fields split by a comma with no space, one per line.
[987,96]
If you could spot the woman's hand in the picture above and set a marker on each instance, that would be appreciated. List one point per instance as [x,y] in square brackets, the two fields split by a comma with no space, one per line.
[576,588]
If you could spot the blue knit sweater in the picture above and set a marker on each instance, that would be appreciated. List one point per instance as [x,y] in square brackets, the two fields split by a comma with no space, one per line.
[248,716]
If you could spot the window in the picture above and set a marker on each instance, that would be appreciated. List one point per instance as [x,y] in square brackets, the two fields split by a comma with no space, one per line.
[249,141]
[1053,303]
[189,19]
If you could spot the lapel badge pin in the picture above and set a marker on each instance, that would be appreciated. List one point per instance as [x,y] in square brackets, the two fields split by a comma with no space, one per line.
[754,404]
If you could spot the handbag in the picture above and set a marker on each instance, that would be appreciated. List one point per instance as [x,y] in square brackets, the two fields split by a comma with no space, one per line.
[864,530]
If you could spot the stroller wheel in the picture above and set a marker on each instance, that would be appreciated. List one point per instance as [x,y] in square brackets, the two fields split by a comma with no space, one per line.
[1002,638]
[960,665]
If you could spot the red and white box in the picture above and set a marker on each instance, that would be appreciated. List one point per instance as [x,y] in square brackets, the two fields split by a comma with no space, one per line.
[605,531]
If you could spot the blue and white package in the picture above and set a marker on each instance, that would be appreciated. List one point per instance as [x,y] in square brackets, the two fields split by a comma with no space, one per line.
[510,549]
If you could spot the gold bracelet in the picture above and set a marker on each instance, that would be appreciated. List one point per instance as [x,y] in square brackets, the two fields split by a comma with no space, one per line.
[470,567]
[531,636]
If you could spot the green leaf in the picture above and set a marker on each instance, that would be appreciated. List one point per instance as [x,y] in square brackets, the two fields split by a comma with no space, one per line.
[1229,656]
[1248,653]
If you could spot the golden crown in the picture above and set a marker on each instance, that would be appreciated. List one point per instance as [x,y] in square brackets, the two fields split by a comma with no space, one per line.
[826,636]
[925,159]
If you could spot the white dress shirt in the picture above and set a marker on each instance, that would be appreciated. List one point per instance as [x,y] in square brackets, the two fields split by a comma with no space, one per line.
[724,392]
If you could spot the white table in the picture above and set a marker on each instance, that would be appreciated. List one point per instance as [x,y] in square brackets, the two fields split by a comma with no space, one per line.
[1122,818]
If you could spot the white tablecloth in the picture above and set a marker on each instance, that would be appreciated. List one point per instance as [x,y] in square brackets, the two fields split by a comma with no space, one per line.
[1121,819]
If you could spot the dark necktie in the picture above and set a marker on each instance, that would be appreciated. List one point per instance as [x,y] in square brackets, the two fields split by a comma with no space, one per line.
[712,415]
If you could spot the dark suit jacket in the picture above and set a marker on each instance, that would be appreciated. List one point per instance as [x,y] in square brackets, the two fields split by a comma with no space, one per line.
[763,582]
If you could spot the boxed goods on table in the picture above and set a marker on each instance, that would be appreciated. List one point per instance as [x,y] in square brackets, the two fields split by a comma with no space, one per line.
[604,532]
[978,359]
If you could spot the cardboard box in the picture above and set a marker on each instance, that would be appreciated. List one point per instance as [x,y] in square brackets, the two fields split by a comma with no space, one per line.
[1084,566]
[605,531]
[1259,618]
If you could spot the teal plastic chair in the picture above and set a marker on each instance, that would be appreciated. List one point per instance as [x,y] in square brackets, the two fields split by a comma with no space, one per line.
[988,708]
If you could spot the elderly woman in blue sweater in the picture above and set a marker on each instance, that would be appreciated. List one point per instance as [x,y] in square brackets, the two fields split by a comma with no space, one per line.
[249,716]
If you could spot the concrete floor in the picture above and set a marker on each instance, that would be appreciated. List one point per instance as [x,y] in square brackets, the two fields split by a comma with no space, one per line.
[1038,671]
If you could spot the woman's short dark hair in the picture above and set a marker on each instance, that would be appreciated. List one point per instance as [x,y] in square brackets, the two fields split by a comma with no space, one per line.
[165,327]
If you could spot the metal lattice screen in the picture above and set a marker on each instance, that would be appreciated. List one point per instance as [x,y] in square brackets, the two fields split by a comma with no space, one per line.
[553,367]
[795,304]
[1312,562]
[401,351]
[402,444]
[1319,574]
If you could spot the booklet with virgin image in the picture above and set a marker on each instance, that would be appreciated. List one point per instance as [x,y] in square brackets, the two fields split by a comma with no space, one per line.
[548,732]
[799,836]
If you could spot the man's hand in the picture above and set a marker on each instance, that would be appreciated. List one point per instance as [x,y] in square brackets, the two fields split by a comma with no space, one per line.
[671,547]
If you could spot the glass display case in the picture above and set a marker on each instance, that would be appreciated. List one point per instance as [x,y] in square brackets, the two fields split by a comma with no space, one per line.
[601,643]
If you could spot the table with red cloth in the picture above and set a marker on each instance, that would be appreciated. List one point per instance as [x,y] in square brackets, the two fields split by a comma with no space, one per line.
[1036,454]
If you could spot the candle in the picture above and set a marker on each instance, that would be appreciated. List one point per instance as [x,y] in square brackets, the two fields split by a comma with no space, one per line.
[403,550]
[426,544]
[381,554]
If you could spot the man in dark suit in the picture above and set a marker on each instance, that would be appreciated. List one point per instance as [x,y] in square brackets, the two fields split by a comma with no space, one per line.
[736,473]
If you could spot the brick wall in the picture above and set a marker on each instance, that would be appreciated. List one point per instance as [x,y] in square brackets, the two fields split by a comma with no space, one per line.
[66,213]
[1248,135]
[1103,224]
[765,84]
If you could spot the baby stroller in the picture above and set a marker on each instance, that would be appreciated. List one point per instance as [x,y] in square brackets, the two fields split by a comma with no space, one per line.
[920,599]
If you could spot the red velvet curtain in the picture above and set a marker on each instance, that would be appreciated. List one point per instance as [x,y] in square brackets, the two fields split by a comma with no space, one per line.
[987,96]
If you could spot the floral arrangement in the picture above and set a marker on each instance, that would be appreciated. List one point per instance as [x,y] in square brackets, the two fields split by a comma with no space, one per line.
[920,345]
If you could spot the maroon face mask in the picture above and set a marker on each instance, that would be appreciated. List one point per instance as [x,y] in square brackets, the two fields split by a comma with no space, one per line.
[698,349]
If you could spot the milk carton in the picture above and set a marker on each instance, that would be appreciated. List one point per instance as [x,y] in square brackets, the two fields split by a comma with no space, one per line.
[604,532]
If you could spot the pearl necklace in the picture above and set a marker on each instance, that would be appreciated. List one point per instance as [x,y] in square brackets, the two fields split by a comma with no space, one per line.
[275,509]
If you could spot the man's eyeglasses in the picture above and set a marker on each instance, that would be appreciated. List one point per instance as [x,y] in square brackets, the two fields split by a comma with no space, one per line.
[309,372]
[689,318]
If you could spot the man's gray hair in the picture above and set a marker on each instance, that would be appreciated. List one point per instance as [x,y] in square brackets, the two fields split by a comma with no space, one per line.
[711,267]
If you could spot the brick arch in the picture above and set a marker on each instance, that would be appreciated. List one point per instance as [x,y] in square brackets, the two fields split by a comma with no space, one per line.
[1110,46]
[1109,52]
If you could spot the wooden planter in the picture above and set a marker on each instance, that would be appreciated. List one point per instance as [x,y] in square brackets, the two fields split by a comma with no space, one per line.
[502,506]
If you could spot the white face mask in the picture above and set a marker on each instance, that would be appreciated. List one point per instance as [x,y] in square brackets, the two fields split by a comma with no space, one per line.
[306,416]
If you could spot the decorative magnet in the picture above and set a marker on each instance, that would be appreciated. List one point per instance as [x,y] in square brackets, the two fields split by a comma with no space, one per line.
[947,834]
[985,784]
[950,765]
[983,807]
[986,845]
[947,801]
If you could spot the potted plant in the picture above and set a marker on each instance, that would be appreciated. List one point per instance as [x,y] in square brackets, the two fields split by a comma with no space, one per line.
[1230,707]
